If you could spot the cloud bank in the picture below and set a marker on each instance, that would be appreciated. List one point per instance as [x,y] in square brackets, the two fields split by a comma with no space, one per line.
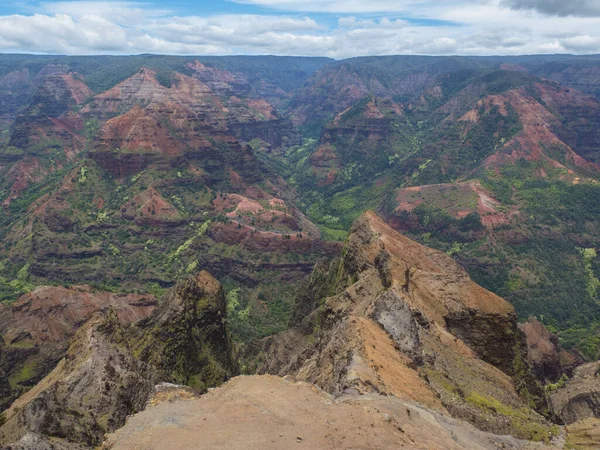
[333,28]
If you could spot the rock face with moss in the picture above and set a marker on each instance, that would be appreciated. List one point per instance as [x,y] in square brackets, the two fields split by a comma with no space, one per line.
[187,339]
[405,320]
[111,368]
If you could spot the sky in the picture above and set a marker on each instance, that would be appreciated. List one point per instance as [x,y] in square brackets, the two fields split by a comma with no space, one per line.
[332,28]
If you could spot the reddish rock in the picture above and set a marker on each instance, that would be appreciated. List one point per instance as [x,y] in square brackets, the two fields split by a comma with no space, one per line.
[51,314]
[252,239]
[548,359]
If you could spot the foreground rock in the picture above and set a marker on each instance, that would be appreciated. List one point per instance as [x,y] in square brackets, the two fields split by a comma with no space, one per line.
[266,412]
[110,369]
[405,320]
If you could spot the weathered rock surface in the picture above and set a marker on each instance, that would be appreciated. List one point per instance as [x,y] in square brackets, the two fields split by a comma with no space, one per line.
[111,369]
[38,327]
[579,398]
[405,320]
[266,412]
[91,391]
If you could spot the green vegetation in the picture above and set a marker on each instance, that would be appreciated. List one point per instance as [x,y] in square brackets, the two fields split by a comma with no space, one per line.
[24,373]
[97,230]
[592,283]
[19,285]
[560,383]
[522,420]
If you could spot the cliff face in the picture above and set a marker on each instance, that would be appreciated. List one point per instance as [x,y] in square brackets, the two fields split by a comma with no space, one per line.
[406,320]
[187,338]
[578,398]
[90,392]
[548,359]
[110,368]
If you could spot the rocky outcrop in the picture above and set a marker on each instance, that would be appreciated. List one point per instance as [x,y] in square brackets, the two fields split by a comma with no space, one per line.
[405,320]
[271,413]
[187,339]
[110,368]
[37,328]
[547,358]
[579,397]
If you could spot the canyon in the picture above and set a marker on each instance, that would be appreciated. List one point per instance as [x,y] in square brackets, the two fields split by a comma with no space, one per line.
[393,242]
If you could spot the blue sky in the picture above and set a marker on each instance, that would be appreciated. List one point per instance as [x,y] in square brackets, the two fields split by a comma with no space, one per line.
[334,28]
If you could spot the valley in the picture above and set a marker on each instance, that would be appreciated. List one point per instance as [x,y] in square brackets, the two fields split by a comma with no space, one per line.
[409,233]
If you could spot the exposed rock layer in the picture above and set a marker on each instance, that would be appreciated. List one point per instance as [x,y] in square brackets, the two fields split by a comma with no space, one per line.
[403,319]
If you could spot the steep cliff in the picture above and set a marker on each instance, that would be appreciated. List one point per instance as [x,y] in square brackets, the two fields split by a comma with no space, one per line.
[406,320]
[187,339]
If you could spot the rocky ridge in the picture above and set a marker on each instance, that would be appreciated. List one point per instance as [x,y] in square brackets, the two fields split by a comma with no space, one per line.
[405,320]
[386,339]
[111,368]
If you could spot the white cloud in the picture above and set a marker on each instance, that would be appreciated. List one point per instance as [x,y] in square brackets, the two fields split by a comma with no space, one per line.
[125,27]
[580,43]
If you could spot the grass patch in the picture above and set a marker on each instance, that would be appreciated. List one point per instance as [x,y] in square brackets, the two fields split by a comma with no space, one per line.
[25,373]
[523,420]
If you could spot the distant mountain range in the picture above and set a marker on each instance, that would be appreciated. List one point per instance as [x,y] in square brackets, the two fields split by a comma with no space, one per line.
[127,173]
